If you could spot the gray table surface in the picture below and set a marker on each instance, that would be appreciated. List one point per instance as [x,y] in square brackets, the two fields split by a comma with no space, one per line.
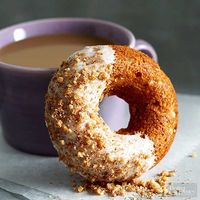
[30,177]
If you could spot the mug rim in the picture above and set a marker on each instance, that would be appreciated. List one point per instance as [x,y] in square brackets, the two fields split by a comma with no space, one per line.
[129,34]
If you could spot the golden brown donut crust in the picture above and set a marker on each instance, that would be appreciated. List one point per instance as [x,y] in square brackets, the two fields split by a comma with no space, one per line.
[150,94]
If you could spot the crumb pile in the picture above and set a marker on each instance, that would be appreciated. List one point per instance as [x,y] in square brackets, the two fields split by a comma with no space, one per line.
[147,189]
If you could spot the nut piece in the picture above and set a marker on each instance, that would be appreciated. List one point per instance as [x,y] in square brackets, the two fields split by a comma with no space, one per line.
[60,79]
[194,154]
[80,189]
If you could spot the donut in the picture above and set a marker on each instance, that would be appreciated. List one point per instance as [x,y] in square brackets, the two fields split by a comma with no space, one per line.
[84,142]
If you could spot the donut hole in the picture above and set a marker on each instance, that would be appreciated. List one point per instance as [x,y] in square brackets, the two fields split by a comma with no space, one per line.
[139,101]
[115,112]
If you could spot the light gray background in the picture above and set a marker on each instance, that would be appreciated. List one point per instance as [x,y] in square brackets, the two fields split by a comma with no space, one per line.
[173,27]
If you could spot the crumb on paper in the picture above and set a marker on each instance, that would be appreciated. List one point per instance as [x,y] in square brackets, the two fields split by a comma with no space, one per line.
[194,154]
[145,189]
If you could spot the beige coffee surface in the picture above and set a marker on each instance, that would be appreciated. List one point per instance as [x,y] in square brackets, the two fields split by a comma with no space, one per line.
[46,51]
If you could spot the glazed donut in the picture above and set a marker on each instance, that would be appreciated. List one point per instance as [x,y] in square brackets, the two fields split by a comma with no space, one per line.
[84,142]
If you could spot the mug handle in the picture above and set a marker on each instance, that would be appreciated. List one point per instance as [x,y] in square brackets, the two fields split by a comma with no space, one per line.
[146,48]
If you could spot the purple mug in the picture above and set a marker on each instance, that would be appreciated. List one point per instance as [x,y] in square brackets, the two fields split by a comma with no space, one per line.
[22,89]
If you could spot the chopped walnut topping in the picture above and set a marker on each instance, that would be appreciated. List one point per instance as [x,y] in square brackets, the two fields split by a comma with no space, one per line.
[167,174]
[98,190]
[80,189]
[71,106]
[62,142]
[80,154]
[155,186]
[60,79]
[59,123]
